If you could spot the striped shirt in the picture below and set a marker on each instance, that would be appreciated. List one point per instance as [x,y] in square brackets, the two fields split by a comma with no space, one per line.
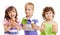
[12,31]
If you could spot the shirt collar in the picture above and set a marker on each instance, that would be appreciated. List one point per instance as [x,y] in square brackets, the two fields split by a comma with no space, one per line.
[29,18]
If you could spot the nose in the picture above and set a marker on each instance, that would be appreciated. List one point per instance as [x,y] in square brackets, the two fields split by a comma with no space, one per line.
[12,13]
[27,11]
[49,15]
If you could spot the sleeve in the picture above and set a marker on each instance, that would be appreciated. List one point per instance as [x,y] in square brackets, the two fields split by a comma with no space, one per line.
[36,21]
[18,22]
[5,21]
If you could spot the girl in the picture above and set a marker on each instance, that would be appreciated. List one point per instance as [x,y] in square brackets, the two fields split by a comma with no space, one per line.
[11,22]
[48,27]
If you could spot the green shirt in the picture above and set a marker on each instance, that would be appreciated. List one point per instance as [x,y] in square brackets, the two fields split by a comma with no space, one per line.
[48,29]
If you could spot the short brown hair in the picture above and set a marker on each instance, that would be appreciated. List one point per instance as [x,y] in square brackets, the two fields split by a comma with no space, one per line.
[29,3]
[46,9]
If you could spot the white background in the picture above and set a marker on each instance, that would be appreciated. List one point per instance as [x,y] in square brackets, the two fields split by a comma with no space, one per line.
[39,5]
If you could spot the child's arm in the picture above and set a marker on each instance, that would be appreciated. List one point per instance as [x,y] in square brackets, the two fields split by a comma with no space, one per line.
[6,27]
[34,26]
[38,28]
[18,27]
[42,27]
[55,27]
[14,24]
[24,26]
[24,23]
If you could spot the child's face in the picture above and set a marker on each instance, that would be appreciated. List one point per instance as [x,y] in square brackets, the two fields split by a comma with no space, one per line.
[12,14]
[49,15]
[29,10]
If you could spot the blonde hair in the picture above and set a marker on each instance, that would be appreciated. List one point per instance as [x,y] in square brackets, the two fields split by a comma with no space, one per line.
[29,3]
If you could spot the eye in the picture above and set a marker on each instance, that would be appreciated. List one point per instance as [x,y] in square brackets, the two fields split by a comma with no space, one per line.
[29,9]
[46,13]
[25,9]
[14,11]
[50,12]
[9,12]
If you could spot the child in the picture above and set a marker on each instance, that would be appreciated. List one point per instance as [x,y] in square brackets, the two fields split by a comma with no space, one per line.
[48,27]
[28,22]
[11,22]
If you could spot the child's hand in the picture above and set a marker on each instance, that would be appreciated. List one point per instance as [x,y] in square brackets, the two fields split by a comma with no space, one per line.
[35,27]
[18,27]
[24,26]
[7,27]
[13,23]
[55,27]
[42,27]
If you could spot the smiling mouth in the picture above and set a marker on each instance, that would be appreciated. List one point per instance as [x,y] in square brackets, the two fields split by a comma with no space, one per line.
[12,15]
